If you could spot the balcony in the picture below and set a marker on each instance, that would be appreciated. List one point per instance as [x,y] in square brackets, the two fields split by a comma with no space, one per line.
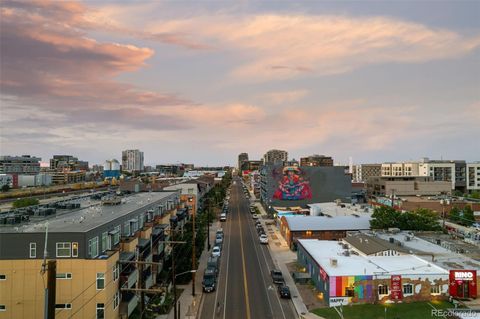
[128,304]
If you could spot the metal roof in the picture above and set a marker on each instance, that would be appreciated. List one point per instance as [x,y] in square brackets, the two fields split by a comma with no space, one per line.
[316,223]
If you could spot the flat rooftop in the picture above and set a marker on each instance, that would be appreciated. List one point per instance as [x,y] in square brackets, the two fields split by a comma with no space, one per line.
[89,216]
[323,251]
[316,223]
[332,209]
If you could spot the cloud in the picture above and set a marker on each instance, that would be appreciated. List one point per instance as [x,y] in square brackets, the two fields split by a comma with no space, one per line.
[282,97]
[275,46]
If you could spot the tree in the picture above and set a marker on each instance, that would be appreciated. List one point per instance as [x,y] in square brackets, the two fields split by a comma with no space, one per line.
[420,219]
[468,216]
[475,195]
[25,202]
[5,188]
[385,217]
[454,214]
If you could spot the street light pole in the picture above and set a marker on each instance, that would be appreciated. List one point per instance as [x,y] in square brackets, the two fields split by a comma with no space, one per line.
[194,266]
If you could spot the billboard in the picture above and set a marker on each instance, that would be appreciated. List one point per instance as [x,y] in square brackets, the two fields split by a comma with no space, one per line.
[289,186]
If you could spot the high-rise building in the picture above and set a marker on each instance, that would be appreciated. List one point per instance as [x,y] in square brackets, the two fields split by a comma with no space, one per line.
[25,165]
[316,160]
[275,156]
[132,160]
[242,157]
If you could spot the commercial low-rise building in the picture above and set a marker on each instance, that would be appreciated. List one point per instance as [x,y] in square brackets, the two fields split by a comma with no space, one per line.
[294,228]
[25,164]
[95,249]
[406,186]
[342,276]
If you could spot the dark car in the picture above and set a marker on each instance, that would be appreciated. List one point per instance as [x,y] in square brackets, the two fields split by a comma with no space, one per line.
[209,280]
[284,291]
[277,277]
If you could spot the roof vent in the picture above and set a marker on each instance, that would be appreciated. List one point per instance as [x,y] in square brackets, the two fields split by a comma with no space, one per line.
[333,262]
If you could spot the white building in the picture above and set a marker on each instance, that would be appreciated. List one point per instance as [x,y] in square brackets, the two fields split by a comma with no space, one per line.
[132,160]
[473,176]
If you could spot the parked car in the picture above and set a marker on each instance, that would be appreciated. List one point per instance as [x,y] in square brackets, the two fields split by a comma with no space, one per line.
[209,280]
[216,251]
[277,276]
[223,217]
[213,263]
[263,239]
[255,216]
[220,231]
[284,291]
[219,240]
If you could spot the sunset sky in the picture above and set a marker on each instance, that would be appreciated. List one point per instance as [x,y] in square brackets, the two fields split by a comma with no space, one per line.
[201,81]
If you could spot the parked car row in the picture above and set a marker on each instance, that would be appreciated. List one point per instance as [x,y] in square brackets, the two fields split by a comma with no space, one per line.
[277,277]
[210,275]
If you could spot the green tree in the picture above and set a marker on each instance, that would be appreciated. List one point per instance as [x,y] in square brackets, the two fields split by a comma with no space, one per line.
[385,217]
[475,195]
[25,202]
[454,214]
[468,216]
[5,188]
[420,219]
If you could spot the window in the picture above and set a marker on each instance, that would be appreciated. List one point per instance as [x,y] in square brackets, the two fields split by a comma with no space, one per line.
[349,292]
[105,241]
[435,290]
[3,308]
[66,275]
[116,235]
[100,311]
[116,300]
[116,272]
[408,289]
[33,250]
[93,247]
[3,277]
[100,280]
[126,229]
[74,249]
[66,306]
[383,290]
[64,249]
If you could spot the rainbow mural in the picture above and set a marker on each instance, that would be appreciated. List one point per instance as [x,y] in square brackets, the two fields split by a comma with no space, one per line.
[362,286]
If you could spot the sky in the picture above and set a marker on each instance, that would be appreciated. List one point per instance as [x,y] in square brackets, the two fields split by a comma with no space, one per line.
[202,81]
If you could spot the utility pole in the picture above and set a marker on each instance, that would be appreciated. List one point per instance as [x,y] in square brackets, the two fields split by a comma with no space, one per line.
[194,266]
[173,276]
[51,288]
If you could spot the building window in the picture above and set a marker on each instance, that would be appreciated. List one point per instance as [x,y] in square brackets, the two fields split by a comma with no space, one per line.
[64,249]
[116,272]
[33,250]
[66,306]
[104,241]
[66,275]
[74,249]
[116,235]
[116,300]
[382,289]
[435,290]
[126,229]
[349,292]
[100,280]
[3,277]
[3,308]
[93,247]
[408,289]
[100,311]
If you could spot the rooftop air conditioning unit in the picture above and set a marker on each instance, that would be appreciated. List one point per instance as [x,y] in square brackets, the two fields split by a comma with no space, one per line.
[346,253]
[333,262]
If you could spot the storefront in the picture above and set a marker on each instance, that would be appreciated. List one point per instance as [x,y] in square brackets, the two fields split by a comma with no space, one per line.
[463,283]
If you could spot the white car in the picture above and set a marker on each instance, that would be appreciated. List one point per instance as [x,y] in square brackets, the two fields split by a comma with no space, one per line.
[255,216]
[223,217]
[216,252]
[263,239]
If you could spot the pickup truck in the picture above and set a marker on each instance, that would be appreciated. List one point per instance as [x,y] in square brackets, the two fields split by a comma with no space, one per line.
[277,276]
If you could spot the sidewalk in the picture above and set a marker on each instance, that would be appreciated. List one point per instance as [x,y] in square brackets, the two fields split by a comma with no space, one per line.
[190,305]
[282,255]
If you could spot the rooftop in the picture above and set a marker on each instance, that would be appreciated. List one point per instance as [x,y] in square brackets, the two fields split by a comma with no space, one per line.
[333,209]
[90,216]
[314,223]
[371,245]
[323,251]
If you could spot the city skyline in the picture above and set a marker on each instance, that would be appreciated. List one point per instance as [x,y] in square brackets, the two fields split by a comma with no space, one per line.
[201,82]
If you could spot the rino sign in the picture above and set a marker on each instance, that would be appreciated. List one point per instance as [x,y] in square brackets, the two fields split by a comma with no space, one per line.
[463,275]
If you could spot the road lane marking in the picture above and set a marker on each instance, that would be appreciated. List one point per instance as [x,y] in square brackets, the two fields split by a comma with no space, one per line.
[245,284]
[229,221]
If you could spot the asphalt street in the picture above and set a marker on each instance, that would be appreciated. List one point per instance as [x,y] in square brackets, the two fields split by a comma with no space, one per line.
[244,289]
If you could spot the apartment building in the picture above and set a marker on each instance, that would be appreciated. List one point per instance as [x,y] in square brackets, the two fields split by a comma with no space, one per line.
[67,162]
[15,165]
[361,173]
[95,248]
[132,160]
[275,156]
[242,157]
[316,160]
[400,169]
[473,176]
